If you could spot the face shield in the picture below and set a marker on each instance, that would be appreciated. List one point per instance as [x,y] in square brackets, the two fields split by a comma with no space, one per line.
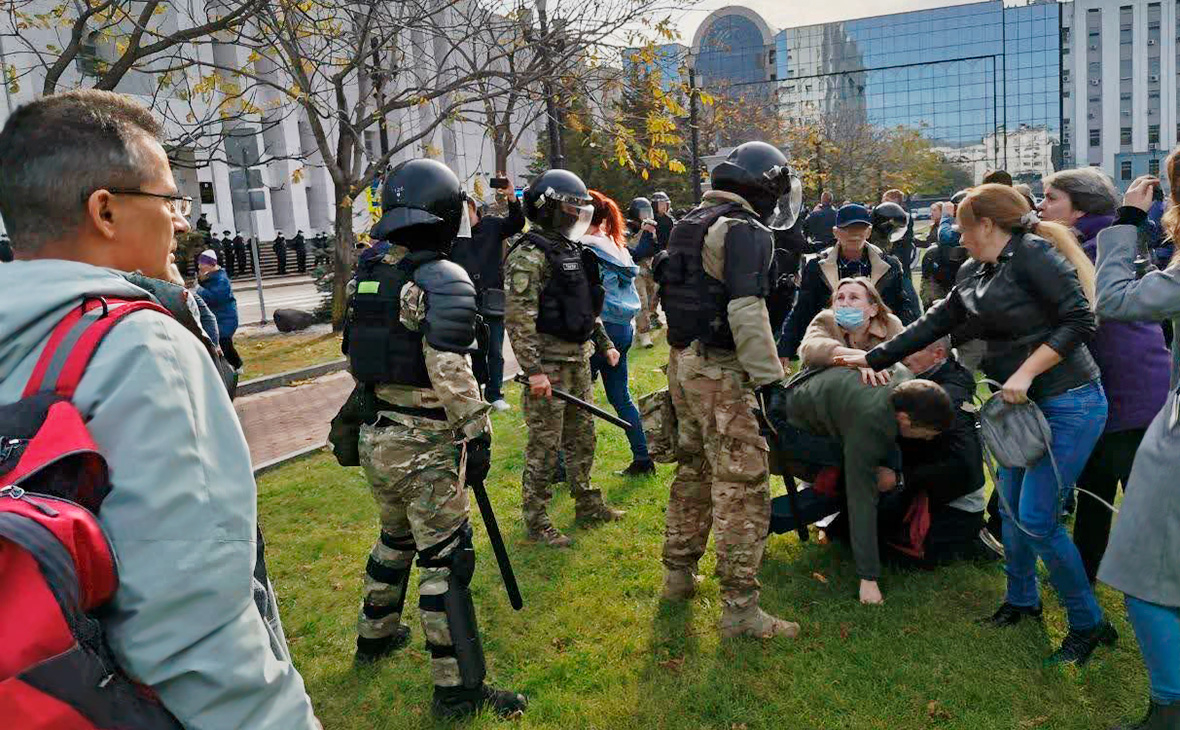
[789,203]
[641,211]
[465,221]
[574,220]
[899,229]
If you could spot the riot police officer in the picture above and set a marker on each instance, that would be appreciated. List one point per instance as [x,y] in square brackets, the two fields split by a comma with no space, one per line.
[713,287]
[644,244]
[553,301]
[411,324]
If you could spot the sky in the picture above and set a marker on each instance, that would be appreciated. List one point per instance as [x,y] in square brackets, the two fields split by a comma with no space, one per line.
[791,13]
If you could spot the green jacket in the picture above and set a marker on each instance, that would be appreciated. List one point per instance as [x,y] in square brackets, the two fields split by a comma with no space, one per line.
[836,403]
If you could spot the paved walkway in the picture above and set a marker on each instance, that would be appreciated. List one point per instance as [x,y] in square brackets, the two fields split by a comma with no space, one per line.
[287,420]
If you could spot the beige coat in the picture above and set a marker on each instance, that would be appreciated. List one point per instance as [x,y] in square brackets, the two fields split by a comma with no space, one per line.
[823,337]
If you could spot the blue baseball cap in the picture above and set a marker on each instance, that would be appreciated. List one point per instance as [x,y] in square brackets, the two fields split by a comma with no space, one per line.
[852,214]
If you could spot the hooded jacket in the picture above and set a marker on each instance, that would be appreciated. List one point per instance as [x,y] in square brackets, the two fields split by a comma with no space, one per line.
[218,293]
[181,514]
[618,278]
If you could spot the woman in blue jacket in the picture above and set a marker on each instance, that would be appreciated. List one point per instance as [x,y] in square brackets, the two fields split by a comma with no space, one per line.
[607,239]
[213,286]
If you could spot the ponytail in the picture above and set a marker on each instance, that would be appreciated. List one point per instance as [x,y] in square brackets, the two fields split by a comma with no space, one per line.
[1010,211]
[1067,245]
[609,218]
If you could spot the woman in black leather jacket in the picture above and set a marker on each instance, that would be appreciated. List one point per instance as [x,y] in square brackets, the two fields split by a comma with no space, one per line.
[1027,291]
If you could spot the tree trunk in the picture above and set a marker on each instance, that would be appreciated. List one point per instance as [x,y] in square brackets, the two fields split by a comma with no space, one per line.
[343,260]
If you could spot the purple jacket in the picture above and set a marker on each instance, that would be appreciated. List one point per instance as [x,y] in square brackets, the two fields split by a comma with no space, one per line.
[1131,355]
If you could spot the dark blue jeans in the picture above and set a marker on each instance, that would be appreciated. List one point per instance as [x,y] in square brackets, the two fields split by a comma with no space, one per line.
[614,381]
[1076,419]
[495,360]
[1158,630]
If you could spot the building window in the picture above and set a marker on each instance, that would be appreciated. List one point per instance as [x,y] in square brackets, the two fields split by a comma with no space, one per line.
[1125,169]
[1125,136]
[1153,134]
[207,197]
[1096,137]
[1153,167]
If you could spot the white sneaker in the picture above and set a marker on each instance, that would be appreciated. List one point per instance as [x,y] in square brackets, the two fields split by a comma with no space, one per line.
[501,405]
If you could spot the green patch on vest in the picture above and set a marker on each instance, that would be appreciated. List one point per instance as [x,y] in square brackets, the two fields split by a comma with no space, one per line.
[368,287]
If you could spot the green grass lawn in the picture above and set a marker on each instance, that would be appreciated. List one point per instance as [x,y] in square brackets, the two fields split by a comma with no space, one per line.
[271,354]
[594,646]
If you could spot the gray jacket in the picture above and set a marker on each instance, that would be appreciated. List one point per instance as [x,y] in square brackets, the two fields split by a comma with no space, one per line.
[182,510]
[1143,557]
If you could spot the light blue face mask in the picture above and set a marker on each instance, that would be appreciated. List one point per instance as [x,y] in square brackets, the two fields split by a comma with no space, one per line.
[849,318]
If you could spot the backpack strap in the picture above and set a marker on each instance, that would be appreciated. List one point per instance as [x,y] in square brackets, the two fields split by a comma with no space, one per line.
[74,341]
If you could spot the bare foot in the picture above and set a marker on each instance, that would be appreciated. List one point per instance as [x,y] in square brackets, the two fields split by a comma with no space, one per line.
[870,594]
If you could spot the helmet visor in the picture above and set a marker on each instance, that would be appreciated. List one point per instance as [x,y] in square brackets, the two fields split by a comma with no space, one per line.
[641,211]
[786,209]
[899,230]
[574,220]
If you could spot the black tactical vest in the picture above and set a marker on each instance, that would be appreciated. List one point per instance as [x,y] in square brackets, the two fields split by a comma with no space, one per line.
[380,349]
[694,302]
[572,298]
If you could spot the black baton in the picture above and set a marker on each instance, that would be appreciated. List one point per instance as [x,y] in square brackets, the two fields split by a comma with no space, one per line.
[494,537]
[573,399]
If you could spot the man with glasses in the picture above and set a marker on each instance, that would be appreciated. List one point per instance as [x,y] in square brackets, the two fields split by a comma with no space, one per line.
[88,196]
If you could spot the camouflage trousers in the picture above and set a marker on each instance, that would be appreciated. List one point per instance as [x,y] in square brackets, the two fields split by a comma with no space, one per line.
[722,479]
[413,472]
[649,299]
[554,426]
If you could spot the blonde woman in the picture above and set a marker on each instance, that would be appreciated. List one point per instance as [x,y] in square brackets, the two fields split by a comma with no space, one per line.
[1027,292]
[856,320]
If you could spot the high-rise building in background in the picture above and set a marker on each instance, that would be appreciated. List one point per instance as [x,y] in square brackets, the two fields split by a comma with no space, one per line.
[1030,88]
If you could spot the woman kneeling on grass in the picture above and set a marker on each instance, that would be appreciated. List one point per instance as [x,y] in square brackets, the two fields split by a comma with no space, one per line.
[856,320]
[1026,291]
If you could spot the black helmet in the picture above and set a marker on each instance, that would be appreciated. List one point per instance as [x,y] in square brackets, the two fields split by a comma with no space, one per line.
[958,197]
[640,210]
[426,196]
[661,197]
[759,173]
[557,202]
[890,221]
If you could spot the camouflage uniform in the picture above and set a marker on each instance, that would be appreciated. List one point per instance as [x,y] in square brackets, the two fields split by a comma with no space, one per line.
[649,298]
[722,477]
[553,424]
[412,464]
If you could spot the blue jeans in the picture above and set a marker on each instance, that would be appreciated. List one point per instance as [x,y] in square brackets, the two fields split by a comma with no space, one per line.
[1076,419]
[1157,628]
[495,360]
[614,381]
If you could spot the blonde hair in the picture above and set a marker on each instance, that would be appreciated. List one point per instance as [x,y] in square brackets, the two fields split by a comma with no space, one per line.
[1171,219]
[1006,207]
[883,310]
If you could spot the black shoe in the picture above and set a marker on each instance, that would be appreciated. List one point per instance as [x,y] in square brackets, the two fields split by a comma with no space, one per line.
[456,703]
[369,651]
[1009,615]
[639,467]
[1079,645]
[1159,717]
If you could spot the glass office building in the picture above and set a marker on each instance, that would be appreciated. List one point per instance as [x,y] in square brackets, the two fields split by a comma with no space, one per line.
[982,82]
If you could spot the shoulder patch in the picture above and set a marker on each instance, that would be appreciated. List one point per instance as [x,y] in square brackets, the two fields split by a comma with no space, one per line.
[520,281]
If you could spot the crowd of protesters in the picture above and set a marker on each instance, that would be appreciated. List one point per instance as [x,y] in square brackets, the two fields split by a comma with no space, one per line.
[1060,303]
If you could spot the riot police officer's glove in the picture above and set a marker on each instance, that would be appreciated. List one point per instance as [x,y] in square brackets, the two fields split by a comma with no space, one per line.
[479,458]
[772,400]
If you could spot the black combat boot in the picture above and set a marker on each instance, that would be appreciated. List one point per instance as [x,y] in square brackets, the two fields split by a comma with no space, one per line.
[369,651]
[1159,717]
[457,703]
[1009,615]
[1077,646]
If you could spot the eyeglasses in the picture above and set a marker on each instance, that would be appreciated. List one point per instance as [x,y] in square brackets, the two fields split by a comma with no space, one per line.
[182,205]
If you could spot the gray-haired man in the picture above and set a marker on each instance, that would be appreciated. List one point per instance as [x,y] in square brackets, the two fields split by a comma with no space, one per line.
[87,194]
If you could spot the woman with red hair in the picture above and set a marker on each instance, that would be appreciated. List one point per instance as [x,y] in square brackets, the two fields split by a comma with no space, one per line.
[606,238]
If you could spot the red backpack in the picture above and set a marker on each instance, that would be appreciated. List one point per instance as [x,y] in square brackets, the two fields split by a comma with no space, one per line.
[57,568]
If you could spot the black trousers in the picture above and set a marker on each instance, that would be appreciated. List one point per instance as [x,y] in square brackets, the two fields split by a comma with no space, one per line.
[230,352]
[1109,464]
